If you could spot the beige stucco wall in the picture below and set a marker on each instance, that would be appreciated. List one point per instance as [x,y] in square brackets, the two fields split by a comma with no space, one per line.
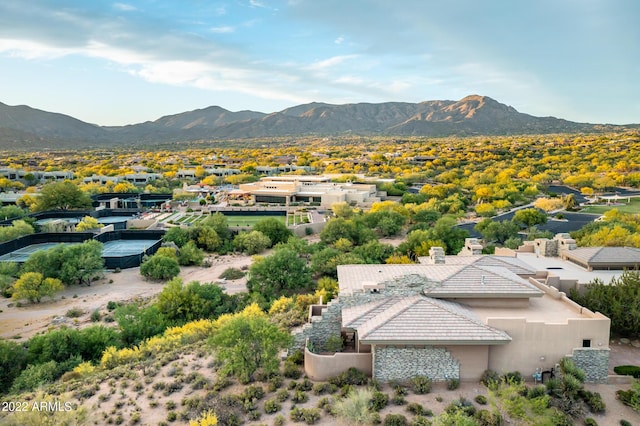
[322,367]
[474,360]
[511,303]
[533,340]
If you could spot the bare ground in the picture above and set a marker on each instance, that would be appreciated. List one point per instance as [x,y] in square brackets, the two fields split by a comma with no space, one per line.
[25,321]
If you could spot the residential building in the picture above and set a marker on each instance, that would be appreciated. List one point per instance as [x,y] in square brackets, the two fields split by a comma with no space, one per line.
[452,317]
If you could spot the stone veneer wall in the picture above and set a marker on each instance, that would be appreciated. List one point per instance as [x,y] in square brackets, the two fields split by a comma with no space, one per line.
[320,328]
[330,322]
[594,362]
[404,363]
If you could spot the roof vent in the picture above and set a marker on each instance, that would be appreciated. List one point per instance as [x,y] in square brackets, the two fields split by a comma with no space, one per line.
[482,280]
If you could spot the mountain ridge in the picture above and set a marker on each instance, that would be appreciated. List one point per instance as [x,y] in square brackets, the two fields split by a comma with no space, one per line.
[23,126]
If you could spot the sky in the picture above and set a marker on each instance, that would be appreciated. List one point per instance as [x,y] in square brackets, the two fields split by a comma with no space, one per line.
[126,62]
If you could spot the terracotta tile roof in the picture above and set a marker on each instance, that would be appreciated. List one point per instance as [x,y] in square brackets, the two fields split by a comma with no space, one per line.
[420,320]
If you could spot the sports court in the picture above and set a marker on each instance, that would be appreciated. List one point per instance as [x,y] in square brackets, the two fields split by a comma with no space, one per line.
[117,253]
[21,255]
[121,248]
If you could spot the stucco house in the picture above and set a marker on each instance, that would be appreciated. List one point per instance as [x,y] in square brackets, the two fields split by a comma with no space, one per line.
[452,317]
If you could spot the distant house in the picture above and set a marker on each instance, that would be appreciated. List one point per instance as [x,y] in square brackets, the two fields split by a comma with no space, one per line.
[452,317]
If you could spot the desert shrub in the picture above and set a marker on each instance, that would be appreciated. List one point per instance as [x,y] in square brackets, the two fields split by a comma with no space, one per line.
[630,397]
[461,404]
[378,401]
[416,408]
[594,401]
[398,399]
[296,358]
[536,391]
[514,377]
[421,385]
[355,407]
[307,415]
[221,382]
[487,418]
[334,343]
[624,422]
[305,385]
[481,399]
[395,420]
[352,376]
[272,406]
[282,395]
[590,422]
[291,371]
[96,316]
[325,404]
[300,397]
[252,392]
[75,312]
[453,384]
[490,378]
[321,388]
[232,274]
[568,367]
[274,383]
[421,421]
[554,387]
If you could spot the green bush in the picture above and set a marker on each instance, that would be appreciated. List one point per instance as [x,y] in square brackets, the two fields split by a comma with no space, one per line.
[232,274]
[378,401]
[421,385]
[300,397]
[75,313]
[624,422]
[594,401]
[453,384]
[96,316]
[395,420]
[416,408]
[352,376]
[481,399]
[487,418]
[291,371]
[490,378]
[590,422]
[627,370]
[321,388]
[272,406]
[514,377]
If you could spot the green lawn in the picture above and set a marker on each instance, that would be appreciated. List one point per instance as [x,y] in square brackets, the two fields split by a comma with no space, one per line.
[633,207]
[250,220]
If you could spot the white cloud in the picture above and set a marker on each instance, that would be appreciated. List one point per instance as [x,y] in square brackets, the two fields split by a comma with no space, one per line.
[339,40]
[33,50]
[331,62]
[222,30]
[124,7]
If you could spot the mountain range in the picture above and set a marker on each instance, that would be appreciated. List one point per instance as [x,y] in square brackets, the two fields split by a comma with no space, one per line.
[23,127]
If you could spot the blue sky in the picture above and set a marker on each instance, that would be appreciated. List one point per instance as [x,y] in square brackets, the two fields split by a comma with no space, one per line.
[115,63]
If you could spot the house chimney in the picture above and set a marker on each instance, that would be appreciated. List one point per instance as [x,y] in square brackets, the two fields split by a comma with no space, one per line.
[436,256]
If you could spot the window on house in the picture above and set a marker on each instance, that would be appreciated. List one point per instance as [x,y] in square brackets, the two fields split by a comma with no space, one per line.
[586,343]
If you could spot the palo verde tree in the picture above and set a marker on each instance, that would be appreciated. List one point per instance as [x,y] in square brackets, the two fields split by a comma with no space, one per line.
[248,341]
[33,287]
[282,273]
[61,196]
